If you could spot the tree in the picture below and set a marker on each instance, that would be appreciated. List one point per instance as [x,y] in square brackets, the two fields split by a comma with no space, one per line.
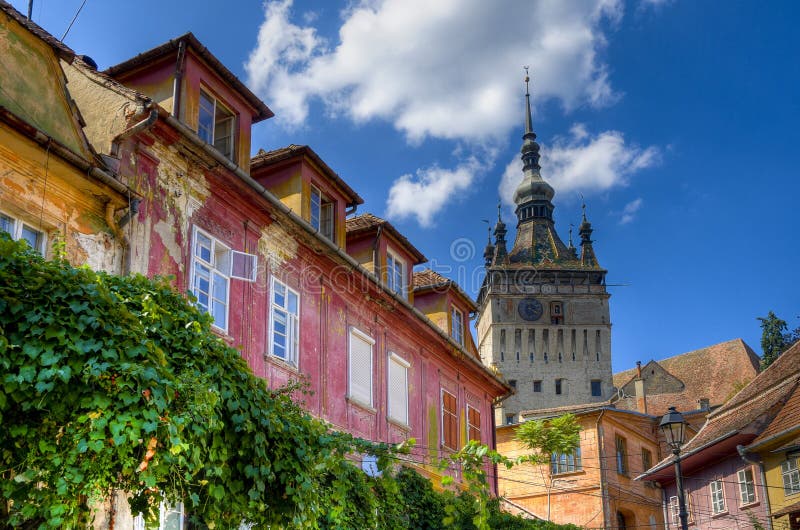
[118,383]
[774,339]
[548,438]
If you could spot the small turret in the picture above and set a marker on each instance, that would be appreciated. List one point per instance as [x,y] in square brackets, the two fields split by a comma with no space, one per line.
[500,252]
[588,259]
[488,252]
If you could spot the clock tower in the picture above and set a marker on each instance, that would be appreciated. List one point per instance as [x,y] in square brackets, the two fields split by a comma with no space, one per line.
[543,317]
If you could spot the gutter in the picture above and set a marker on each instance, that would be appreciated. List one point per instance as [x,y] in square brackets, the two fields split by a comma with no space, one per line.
[684,456]
[275,202]
[136,128]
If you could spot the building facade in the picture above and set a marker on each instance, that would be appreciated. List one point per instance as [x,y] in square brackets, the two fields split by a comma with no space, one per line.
[543,314]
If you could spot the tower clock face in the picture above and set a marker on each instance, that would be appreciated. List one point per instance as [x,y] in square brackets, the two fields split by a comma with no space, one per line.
[530,309]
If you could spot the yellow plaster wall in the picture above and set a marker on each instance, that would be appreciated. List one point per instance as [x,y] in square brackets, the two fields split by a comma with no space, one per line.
[774,480]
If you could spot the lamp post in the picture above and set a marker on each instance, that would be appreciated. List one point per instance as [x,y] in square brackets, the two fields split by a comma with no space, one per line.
[674,428]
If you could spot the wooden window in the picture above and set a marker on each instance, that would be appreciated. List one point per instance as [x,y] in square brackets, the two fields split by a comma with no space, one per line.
[717,497]
[398,388]
[360,367]
[449,421]
[20,231]
[647,459]
[566,462]
[621,446]
[395,274]
[457,326]
[747,486]
[321,214]
[473,424]
[216,124]
[284,324]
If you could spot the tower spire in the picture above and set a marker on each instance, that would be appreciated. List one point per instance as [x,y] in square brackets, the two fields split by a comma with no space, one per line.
[530,149]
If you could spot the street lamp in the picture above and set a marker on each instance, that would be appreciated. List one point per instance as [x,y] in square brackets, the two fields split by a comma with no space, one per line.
[674,429]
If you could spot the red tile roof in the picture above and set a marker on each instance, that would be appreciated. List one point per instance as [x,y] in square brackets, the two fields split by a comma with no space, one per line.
[713,372]
[367,222]
[268,158]
[429,280]
[262,111]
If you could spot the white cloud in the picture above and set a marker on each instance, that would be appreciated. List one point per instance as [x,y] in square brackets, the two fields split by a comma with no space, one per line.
[584,162]
[444,68]
[629,211]
[423,195]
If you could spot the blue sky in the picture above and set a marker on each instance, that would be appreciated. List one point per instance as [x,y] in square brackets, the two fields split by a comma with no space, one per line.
[676,120]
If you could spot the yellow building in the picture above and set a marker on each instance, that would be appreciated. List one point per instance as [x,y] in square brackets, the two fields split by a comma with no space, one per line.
[53,186]
[594,487]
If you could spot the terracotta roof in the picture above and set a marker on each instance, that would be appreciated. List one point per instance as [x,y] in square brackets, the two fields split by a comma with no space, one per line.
[60,48]
[751,409]
[786,422]
[268,158]
[429,280]
[367,222]
[711,372]
[262,111]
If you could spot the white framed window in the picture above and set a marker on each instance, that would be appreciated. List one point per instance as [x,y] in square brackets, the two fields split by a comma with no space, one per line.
[216,124]
[747,486]
[473,424]
[674,509]
[791,476]
[213,266]
[284,322]
[170,517]
[457,325]
[566,462]
[20,231]
[395,274]
[360,367]
[717,497]
[321,214]
[398,388]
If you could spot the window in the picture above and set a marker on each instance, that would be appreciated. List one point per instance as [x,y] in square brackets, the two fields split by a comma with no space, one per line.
[398,388]
[717,497]
[512,383]
[473,424]
[565,462]
[449,421]
[360,369]
[537,386]
[457,326]
[216,124]
[647,459]
[213,266]
[21,231]
[556,313]
[322,214]
[597,387]
[747,486]
[559,386]
[395,274]
[621,446]
[509,419]
[791,476]
[674,509]
[170,517]
[284,340]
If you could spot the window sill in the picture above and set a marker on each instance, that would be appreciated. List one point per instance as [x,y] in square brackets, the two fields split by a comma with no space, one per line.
[360,404]
[282,363]
[749,505]
[577,472]
[720,514]
[399,424]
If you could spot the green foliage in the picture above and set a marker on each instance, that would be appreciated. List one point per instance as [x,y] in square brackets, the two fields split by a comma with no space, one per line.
[559,435]
[774,339]
[118,383]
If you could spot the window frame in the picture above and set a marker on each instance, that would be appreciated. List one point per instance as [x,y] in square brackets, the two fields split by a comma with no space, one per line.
[324,208]
[473,416]
[292,346]
[747,488]
[392,262]
[400,363]
[449,417]
[357,333]
[18,226]
[790,474]
[232,119]
[537,386]
[621,454]
[717,490]
[457,332]
[559,386]
[599,383]
[563,463]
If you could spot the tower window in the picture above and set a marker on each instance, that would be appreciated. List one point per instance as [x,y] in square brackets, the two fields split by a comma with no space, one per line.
[537,386]
[556,313]
[597,388]
[559,386]
[512,383]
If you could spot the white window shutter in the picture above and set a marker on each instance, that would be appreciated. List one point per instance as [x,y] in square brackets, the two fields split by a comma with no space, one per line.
[360,368]
[398,389]
[243,266]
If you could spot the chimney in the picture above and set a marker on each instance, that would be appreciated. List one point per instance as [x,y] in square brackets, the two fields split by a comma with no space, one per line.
[638,384]
[703,403]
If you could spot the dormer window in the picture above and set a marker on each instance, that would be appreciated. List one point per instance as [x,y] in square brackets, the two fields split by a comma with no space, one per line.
[457,326]
[322,214]
[216,124]
[395,274]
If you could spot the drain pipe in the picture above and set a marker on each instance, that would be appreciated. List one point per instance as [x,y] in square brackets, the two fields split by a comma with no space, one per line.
[599,433]
[350,209]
